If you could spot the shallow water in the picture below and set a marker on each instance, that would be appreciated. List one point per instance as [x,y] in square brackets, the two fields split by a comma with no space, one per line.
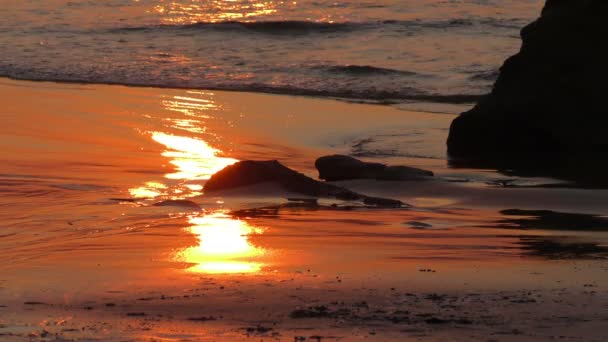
[88,252]
[85,165]
[434,51]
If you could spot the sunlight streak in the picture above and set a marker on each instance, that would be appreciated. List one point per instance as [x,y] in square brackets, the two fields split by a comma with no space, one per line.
[224,245]
[194,11]
[193,158]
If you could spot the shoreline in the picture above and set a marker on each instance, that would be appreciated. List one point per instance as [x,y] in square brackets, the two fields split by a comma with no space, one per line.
[462,100]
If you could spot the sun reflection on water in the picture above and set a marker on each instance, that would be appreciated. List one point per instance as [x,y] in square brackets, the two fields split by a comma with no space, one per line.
[224,245]
[193,11]
[189,106]
[150,189]
[194,159]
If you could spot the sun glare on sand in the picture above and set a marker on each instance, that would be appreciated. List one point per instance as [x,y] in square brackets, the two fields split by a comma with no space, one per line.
[224,245]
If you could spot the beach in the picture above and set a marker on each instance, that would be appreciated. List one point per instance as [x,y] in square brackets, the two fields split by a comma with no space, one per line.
[108,235]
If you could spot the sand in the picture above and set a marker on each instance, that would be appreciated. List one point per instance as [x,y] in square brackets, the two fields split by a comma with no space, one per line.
[87,255]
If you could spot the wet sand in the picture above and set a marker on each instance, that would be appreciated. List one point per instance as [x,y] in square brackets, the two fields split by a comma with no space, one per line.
[87,255]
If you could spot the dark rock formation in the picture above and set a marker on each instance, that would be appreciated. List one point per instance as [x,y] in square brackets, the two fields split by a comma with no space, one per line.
[246,173]
[548,102]
[338,167]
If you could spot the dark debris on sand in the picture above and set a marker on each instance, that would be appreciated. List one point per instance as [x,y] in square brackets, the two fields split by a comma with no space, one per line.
[446,311]
[563,248]
[202,319]
[547,219]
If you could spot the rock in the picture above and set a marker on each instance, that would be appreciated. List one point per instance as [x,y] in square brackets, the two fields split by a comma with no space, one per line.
[247,173]
[202,319]
[339,167]
[402,173]
[178,203]
[548,102]
[382,202]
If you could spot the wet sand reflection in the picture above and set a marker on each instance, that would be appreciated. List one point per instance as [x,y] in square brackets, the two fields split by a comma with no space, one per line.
[224,245]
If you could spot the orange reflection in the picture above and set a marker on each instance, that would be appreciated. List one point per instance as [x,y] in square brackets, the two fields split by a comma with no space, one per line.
[193,158]
[189,106]
[193,11]
[150,189]
[224,246]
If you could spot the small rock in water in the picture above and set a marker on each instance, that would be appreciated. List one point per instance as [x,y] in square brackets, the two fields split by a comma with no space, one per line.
[202,319]
[130,200]
[312,201]
[259,329]
[178,203]
[383,202]
[419,225]
[339,167]
[34,303]
[435,320]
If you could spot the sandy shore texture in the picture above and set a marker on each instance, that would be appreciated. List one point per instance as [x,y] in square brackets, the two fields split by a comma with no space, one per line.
[106,233]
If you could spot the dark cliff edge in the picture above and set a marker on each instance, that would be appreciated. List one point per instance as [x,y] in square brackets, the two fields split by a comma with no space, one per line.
[547,113]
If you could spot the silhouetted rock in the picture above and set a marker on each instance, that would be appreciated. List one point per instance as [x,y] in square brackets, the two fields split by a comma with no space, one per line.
[178,203]
[339,167]
[549,101]
[246,173]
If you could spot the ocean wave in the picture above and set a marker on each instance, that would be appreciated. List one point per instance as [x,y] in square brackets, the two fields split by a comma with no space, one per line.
[304,26]
[368,94]
[281,26]
[487,75]
[371,94]
[363,70]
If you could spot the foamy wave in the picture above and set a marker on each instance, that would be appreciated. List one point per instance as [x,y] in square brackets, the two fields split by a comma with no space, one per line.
[370,94]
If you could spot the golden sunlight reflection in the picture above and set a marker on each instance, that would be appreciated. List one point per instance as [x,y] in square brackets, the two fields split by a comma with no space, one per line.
[193,158]
[150,189]
[223,247]
[189,106]
[193,11]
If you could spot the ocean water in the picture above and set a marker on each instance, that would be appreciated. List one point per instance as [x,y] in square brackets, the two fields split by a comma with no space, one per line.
[384,50]
[87,169]
[102,187]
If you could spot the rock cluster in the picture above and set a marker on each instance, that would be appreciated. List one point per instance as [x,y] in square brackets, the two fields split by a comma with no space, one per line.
[247,173]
